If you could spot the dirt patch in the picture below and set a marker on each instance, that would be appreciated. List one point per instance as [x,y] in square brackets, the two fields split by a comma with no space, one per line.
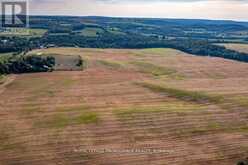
[67,62]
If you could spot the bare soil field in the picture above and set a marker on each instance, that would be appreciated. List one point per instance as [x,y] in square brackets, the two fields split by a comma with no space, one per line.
[127,107]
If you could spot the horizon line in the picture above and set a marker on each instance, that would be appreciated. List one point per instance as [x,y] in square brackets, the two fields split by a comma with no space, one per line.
[137,17]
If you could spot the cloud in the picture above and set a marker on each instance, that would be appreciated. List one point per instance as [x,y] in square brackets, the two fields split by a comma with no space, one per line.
[206,9]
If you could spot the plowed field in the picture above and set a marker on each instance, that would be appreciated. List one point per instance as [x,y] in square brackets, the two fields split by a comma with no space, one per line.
[127,107]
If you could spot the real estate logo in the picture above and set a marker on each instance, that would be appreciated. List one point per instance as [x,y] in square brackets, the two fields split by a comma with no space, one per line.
[14,13]
[14,16]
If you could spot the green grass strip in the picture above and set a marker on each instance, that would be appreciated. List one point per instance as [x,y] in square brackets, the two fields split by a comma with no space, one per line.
[183,94]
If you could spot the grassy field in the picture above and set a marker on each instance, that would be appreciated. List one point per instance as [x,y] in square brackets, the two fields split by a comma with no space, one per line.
[5,56]
[91,32]
[237,47]
[171,107]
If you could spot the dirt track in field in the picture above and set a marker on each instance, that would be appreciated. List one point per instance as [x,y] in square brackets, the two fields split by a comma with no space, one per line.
[43,121]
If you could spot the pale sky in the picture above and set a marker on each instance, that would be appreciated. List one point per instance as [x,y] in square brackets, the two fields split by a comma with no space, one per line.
[203,9]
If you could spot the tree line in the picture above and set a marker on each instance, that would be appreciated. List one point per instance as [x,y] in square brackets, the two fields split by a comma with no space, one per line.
[195,47]
[26,64]
[107,40]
